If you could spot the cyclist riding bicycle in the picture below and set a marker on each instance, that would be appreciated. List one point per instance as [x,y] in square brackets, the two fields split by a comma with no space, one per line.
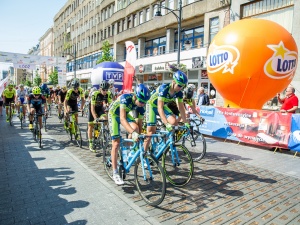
[112,89]
[72,96]
[21,99]
[100,100]
[9,95]
[35,103]
[119,114]
[61,98]
[56,91]
[156,105]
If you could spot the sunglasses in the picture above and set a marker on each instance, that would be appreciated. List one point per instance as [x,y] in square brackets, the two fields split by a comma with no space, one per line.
[104,89]
[180,86]
[37,95]
[75,89]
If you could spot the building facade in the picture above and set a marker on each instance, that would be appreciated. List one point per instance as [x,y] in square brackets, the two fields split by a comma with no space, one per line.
[81,26]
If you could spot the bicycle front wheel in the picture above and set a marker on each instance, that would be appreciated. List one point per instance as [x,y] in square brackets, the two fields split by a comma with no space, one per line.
[150,180]
[179,171]
[77,135]
[21,119]
[39,136]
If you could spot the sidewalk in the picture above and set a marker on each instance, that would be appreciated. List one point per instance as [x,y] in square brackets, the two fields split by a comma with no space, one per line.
[62,184]
[51,186]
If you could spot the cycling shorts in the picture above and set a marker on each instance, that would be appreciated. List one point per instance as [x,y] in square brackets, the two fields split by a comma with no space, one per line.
[73,107]
[114,125]
[22,100]
[152,112]
[8,100]
[100,113]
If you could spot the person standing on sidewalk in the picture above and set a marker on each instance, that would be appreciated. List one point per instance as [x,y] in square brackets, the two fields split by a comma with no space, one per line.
[202,97]
[290,102]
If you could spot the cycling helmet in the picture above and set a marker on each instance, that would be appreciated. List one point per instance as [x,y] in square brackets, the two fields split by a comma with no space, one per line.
[192,86]
[93,89]
[111,81]
[142,93]
[188,92]
[64,88]
[58,87]
[151,88]
[180,78]
[36,90]
[156,85]
[75,83]
[11,84]
[44,86]
[104,85]
[21,85]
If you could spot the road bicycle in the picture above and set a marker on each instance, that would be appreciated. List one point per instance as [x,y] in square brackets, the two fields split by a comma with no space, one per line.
[177,161]
[199,150]
[149,177]
[100,135]
[10,112]
[37,131]
[72,128]
[85,111]
[44,119]
[21,115]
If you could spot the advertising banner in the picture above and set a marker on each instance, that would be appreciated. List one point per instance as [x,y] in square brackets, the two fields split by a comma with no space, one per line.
[129,70]
[258,127]
[294,142]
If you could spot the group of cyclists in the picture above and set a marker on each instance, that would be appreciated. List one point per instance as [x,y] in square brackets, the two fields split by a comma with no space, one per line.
[166,101]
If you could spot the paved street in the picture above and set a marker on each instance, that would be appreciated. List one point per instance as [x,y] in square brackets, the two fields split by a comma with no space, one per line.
[63,184]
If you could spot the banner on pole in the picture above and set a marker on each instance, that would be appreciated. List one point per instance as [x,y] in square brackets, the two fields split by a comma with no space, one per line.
[129,70]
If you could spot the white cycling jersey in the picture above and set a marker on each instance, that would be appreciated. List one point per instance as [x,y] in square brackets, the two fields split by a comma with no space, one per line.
[21,95]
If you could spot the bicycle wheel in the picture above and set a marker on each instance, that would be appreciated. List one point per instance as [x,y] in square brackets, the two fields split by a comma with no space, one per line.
[106,139]
[10,116]
[178,174]
[151,185]
[21,119]
[39,136]
[107,161]
[199,151]
[45,123]
[77,135]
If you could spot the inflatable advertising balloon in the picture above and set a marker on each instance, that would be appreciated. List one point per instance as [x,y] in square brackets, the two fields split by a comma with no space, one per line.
[250,61]
[107,71]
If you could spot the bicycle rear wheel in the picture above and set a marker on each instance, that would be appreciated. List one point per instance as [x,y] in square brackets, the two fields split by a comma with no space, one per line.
[178,174]
[107,161]
[199,151]
[151,185]
[77,135]
[39,136]
[21,119]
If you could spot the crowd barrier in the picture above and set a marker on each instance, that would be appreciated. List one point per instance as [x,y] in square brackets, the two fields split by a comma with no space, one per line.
[257,127]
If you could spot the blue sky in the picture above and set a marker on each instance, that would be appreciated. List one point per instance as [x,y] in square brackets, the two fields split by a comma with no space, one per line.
[24,22]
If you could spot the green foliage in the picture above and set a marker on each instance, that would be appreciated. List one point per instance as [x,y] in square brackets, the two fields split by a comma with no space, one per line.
[26,83]
[53,77]
[173,67]
[37,80]
[106,56]
[67,41]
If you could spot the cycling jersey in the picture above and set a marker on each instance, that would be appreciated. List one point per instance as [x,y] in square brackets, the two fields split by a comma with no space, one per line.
[163,93]
[98,99]
[62,95]
[72,96]
[126,102]
[9,93]
[57,91]
[21,95]
[36,102]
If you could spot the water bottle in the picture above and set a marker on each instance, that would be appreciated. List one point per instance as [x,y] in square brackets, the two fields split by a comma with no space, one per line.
[96,133]
[124,154]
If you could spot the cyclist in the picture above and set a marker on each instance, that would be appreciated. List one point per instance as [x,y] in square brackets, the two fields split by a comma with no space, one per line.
[156,105]
[45,91]
[21,99]
[61,98]
[9,95]
[56,91]
[119,114]
[72,96]
[35,103]
[100,99]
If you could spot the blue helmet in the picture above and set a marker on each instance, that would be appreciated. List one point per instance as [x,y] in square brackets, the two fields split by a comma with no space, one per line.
[180,78]
[142,93]
[43,86]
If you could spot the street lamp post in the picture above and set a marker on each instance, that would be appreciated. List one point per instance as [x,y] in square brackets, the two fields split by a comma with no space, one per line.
[74,57]
[179,19]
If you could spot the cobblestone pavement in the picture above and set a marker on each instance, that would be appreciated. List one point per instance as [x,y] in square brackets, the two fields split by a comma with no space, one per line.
[233,184]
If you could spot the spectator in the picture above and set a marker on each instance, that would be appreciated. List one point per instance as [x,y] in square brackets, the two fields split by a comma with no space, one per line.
[202,97]
[290,102]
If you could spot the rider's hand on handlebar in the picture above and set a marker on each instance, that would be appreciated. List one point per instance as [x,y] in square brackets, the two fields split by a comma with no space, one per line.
[169,127]
[187,125]
[135,136]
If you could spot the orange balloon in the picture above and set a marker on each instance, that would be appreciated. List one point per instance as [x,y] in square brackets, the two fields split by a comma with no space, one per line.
[250,61]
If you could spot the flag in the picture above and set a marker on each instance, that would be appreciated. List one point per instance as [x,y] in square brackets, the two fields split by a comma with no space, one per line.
[129,70]
[3,84]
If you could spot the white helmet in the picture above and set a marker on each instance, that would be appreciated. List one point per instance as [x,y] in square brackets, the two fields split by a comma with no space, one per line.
[111,81]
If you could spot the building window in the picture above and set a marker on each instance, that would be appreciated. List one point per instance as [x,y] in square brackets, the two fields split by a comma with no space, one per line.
[141,17]
[213,28]
[147,14]
[156,46]
[195,36]
[170,4]
[134,21]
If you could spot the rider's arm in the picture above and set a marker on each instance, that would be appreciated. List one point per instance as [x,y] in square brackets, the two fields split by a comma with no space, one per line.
[124,122]
[93,102]
[193,107]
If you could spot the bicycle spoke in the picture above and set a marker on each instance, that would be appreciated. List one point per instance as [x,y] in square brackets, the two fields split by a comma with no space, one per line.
[152,184]
[179,171]
[199,151]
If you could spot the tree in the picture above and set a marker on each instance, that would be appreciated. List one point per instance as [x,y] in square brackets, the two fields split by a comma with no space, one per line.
[106,56]
[37,80]
[53,77]
[26,83]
